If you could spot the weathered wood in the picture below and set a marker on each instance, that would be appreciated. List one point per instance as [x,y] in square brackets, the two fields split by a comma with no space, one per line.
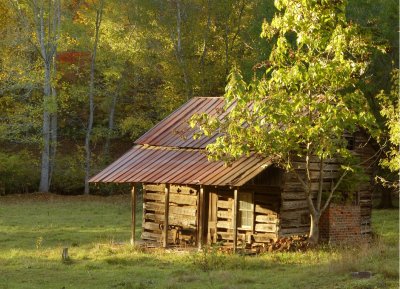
[224,214]
[265,237]
[64,255]
[166,213]
[229,236]
[267,228]
[225,224]
[262,210]
[235,215]
[270,219]
[295,196]
[174,219]
[133,208]
[224,204]
[154,188]
[152,226]
[212,218]
[294,205]
[154,197]
[293,215]
[183,199]
[314,159]
[151,236]
[187,190]
[297,187]
[188,211]
[294,231]
[200,217]
[151,206]
[173,198]
[315,166]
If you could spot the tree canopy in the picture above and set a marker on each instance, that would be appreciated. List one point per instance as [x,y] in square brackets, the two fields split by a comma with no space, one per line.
[154,55]
[307,100]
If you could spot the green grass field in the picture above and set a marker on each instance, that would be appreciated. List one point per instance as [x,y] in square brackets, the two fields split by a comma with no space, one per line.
[34,230]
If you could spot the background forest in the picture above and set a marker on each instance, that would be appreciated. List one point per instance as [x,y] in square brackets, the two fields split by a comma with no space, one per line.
[80,80]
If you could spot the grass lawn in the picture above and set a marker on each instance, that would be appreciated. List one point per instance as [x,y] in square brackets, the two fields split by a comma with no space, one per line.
[34,230]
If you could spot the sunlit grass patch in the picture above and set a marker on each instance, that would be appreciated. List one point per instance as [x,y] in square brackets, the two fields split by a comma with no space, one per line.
[33,235]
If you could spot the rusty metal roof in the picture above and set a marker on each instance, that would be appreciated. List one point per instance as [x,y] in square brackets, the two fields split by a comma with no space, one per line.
[174,130]
[167,153]
[155,164]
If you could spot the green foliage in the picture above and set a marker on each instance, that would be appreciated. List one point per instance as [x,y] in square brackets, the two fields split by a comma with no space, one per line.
[140,69]
[209,259]
[68,174]
[308,97]
[16,172]
[390,111]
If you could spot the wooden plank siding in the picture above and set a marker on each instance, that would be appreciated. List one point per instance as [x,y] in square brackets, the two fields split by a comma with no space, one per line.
[182,214]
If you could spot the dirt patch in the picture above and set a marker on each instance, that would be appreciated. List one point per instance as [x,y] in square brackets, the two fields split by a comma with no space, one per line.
[51,197]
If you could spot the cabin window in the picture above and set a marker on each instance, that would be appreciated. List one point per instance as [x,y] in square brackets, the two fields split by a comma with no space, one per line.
[245,210]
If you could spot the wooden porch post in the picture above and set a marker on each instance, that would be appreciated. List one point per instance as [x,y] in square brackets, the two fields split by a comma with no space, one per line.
[200,216]
[133,205]
[235,210]
[166,213]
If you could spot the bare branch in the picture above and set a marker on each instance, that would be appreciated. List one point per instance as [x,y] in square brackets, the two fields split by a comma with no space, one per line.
[333,190]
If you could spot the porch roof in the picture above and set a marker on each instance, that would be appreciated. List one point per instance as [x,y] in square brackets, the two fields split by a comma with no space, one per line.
[155,164]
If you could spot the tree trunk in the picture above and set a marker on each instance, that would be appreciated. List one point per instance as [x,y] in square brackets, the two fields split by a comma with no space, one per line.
[313,237]
[178,51]
[45,160]
[110,125]
[205,89]
[47,45]
[53,126]
[88,151]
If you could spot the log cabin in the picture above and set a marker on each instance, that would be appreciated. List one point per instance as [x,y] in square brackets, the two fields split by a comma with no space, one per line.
[190,201]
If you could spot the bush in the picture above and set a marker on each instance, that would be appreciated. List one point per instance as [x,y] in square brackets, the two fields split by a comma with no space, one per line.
[69,174]
[18,172]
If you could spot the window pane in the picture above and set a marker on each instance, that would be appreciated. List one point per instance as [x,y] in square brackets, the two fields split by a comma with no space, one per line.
[245,210]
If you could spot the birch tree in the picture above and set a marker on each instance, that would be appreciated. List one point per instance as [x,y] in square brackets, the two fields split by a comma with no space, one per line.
[45,17]
[88,152]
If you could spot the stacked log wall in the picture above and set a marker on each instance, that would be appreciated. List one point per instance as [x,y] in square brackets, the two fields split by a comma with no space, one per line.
[294,212]
[182,217]
[265,220]
[366,153]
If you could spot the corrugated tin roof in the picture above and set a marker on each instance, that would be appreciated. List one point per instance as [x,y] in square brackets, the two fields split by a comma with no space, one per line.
[155,164]
[174,130]
[167,153]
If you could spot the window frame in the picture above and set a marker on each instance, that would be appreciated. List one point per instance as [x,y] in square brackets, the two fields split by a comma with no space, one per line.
[248,210]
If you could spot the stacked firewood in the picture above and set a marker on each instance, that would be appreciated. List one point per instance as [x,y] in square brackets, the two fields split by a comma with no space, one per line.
[290,244]
[286,244]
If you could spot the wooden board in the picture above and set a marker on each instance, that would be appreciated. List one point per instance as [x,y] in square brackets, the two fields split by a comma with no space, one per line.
[262,210]
[174,219]
[225,204]
[269,219]
[187,211]
[267,228]
[224,224]
[154,188]
[294,205]
[184,190]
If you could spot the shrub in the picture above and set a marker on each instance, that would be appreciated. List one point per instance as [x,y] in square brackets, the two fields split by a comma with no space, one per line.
[18,172]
